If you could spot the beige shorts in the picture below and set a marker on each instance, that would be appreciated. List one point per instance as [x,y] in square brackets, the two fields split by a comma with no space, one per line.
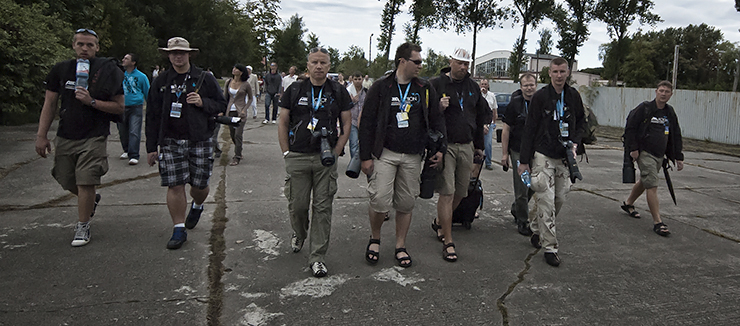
[80,162]
[455,177]
[649,167]
[394,182]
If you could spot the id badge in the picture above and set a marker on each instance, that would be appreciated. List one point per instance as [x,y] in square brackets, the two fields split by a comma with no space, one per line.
[176,110]
[313,123]
[666,130]
[564,129]
[403,122]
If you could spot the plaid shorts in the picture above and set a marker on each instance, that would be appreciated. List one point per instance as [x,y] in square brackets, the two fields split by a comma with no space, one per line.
[183,161]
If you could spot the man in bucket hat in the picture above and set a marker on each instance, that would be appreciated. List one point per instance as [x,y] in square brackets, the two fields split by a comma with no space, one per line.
[181,107]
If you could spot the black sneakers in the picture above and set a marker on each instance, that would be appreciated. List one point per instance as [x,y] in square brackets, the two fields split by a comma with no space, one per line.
[552,259]
[179,236]
[535,240]
[193,216]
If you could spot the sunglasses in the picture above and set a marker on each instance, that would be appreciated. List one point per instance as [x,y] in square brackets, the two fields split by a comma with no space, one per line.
[417,62]
[86,30]
[318,49]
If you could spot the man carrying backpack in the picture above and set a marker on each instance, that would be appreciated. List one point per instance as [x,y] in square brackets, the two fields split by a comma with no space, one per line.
[652,132]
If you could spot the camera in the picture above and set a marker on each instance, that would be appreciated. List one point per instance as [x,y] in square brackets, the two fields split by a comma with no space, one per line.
[570,161]
[628,168]
[327,157]
[229,121]
[435,143]
[353,168]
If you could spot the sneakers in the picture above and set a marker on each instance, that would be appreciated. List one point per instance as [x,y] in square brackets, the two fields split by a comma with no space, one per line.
[552,259]
[133,161]
[274,122]
[265,122]
[82,234]
[535,240]
[193,216]
[179,236]
[319,269]
[295,243]
[488,167]
[523,228]
[123,156]
[95,205]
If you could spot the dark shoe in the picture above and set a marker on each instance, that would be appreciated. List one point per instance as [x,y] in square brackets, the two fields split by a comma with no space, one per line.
[449,256]
[404,262]
[523,229]
[661,229]
[488,167]
[193,216]
[630,209]
[436,227]
[235,161]
[372,256]
[217,154]
[95,206]
[552,259]
[535,240]
[295,243]
[179,236]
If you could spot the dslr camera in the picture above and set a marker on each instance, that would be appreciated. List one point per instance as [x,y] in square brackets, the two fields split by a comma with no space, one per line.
[229,121]
[435,143]
[327,157]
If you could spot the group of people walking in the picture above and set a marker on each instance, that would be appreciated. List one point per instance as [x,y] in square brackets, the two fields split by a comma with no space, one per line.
[395,127]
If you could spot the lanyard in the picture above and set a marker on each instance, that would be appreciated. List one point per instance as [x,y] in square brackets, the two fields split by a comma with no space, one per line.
[561,105]
[316,102]
[526,107]
[403,98]
[460,99]
[181,88]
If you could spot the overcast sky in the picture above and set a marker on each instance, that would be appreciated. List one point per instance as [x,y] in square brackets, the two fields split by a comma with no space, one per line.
[340,24]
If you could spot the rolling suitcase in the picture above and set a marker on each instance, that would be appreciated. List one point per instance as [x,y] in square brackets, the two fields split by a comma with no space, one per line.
[465,212]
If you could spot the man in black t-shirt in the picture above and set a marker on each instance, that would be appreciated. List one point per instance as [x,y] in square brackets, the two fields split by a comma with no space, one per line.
[308,110]
[81,157]
[400,109]
[181,106]
[652,132]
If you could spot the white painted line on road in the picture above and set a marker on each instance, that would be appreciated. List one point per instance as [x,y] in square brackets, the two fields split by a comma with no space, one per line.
[314,287]
[256,316]
[267,242]
[393,274]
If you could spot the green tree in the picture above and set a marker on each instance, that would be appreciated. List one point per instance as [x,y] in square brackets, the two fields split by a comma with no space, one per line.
[572,26]
[423,16]
[388,27]
[618,15]
[32,42]
[545,42]
[288,46]
[530,13]
[433,63]
[638,68]
[516,62]
[264,21]
[313,41]
[353,60]
[335,57]
[545,75]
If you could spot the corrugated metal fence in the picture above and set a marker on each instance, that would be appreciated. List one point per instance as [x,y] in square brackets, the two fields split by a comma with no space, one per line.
[704,115]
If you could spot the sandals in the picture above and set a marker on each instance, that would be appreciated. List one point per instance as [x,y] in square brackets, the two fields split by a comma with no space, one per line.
[372,256]
[436,227]
[235,161]
[404,262]
[449,256]
[630,209]
[661,229]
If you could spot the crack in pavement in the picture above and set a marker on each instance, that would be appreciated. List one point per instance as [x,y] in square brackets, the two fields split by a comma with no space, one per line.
[218,246]
[106,303]
[15,166]
[501,302]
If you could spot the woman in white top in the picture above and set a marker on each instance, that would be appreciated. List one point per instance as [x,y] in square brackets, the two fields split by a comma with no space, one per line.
[239,93]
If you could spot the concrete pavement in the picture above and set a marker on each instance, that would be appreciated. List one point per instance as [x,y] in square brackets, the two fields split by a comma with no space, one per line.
[237,267]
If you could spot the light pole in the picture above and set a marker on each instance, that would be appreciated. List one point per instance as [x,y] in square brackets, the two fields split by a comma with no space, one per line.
[370,51]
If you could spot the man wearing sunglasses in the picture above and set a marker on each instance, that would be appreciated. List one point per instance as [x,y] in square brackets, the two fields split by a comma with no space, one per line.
[81,158]
[398,114]
[466,113]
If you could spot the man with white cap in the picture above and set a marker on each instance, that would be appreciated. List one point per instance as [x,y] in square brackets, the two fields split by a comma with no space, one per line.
[253,83]
[181,107]
[466,112]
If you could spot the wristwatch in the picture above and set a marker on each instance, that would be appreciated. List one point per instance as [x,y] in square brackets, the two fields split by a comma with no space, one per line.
[92,103]
[285,153]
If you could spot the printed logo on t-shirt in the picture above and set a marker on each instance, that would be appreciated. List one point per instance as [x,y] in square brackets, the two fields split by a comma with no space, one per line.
[395,101]
[303,101]
[662,121]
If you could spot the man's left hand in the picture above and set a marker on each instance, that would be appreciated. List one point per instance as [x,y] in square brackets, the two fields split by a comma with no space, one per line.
[679,165]
[436,159]
[194,98]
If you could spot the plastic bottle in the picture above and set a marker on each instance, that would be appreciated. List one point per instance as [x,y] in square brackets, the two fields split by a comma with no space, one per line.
[83,73]
[526,178]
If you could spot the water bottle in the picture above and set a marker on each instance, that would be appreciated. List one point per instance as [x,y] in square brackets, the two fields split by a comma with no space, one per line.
[526,178]
[83,73]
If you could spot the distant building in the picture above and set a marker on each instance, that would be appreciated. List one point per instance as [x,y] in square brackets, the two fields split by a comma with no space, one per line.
[495,64]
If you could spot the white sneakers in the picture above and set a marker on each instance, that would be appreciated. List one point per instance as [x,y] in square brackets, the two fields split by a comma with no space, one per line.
[265,122]
[133,161]
[124,156]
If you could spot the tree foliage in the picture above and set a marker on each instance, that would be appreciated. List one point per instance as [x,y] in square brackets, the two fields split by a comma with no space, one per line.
[530,13]
[353,61]
[433,63]
[423,15]
[572,26]
[545,42]
[288,46]
[388,27]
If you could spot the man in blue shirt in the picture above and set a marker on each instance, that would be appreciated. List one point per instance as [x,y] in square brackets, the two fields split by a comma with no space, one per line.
[135,90]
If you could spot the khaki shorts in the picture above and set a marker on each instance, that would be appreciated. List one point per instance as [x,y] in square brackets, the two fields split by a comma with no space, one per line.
[80,162]
[455,177]
[649,167]
[394,182]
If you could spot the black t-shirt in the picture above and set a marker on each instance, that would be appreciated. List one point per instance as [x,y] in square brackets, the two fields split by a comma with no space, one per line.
[658,130]
[304,119]
[405,139]
[79,120]
[516,116]
[177,128]
[460,123]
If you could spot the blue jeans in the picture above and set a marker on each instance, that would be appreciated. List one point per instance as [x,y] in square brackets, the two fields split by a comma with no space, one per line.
[488,141]
[130,130]
[274,99]
[354,141]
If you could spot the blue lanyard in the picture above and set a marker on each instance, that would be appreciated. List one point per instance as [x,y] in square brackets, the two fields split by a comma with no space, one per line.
[460,99]
[561,105]
[403,99]
[316,102]
[526,107]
